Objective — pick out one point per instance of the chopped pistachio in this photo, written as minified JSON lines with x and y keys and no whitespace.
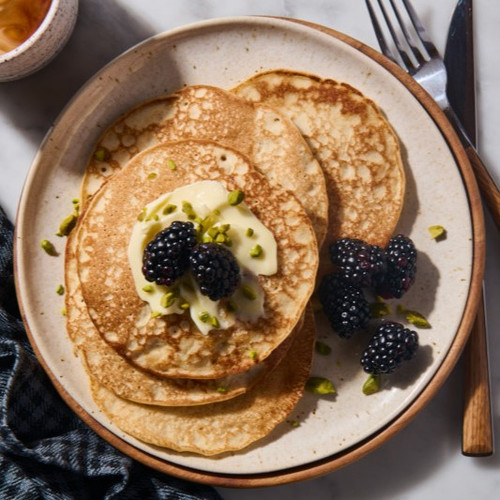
{"x":155,"y":314}
{"x":322,"y":348}
{"x":220,"y":238}
{"x":101,"y":154}
{"x":75,"y":201}
{"x":437,"y":232}
{"x":213,"y":232}
{"x":256,"y":251}
{"x":249,"y":232}
{"x":221,"y":389}
{"x":63,"y":311}
{"x":147,"y":288}
{"x":228,"y":242}
{"x":187,"y":208}
{"x":320,"y":385}
{"x":185,"y":306}
{"x":248,"y":292}
{"x":171,"y":165}
{"x":60,"y":290}
{"x":49,"y":247}
{"x":142,"y":215}
{"x":170,"y":208}
{"x":371,"y":385}
{"x":235,"y":197}
{"x":204,"y":316}
{"x":224,"y":228}
{"x":253,"y":354}
{"x":231,"y":306}
{"x":67,"y":224}
{"x":152,"y":175}
{"x":400,"y":309}
{"x":380,"y":309}
{"x":168,"y":299}
{"x":207,"y":239}
{"x":214,"y":322}
{"x":417,"y":319}
{"x":294,"y":423}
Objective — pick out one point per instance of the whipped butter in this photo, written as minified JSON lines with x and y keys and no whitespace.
{"x":246,"y":232}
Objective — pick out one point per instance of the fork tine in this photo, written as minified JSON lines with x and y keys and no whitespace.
{"x":416,"y":51}
{"x":402,"y":51}
{"x":397,"y":55}
{"x":420,"y":30}
{"x":382,"y":41}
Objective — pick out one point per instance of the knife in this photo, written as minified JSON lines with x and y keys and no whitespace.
{"x":477,"y":431}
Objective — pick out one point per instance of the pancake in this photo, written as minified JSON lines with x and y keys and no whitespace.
{"x":220,"y":427}
{"x":112,"y":371}
{"x":354,"y":143}
{"x":272,"y":143}
{"x":170,"y":345}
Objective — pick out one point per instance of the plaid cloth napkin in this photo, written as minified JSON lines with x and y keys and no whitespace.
{"x":46,"y":451}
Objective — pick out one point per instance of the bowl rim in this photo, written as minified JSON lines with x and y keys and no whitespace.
{"x":341,"y":459}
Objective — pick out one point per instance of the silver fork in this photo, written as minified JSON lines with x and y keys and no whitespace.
{"x":422,"y":61}
{"x":418,"y":56}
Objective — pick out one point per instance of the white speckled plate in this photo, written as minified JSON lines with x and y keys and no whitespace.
{"x":332,"y":431}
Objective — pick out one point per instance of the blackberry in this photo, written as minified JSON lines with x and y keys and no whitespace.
{"x":344,"y":304}
{"x":166,"y":256}
{"x":390,"y":345}
{"x":358,"y":262}
{"x":401,"y":267}
{"x":215,"y":269}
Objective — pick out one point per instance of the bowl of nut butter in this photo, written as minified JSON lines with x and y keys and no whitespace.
{"x":32,"y":32}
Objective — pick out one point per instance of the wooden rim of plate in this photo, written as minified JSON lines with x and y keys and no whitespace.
{"x":359,"y":450}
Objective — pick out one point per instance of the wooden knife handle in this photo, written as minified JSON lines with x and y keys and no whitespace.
{"x":489,"y":190}
{"x":477,"y":432}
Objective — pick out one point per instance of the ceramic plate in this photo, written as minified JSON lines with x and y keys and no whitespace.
{"x":223,"y":52}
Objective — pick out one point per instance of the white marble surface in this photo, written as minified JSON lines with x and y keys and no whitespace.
{"x":422,"y":461}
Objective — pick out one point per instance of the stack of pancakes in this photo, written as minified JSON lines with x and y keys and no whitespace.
{"x":316,"y":160}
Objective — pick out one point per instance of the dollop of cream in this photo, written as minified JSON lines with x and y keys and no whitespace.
{"x":208,"y":199}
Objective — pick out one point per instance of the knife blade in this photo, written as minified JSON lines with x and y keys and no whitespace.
{"x":477,"y":430}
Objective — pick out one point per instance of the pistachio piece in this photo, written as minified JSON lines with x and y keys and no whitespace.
{"x":249,"y":232}
{"x":248,"y":292}
{"x":322,"y":348}
{"x":320,"y":385}
{"x":49,"y":248}
{"x":170,"y":208}
{"x":67,"y":224}
{"x":171,"y":165}
{"x":147,"y":288}
{"x":371,"y":385}
{"x":256,"y":252}
{"x":235,"y":197}
{"x":437,"y":232}
{"x":60,"y":290}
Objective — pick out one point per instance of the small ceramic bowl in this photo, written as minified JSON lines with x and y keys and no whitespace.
{"x":43,"y":45}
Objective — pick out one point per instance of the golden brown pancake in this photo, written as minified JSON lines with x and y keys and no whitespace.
{"x":170,"y":345}
{"x":113,"y":371}
{"x":354,"y":143}
{"x":271,"y":142}
{"x":220,"y":427}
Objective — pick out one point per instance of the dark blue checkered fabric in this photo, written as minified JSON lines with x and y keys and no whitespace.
{"x":46,"y":451}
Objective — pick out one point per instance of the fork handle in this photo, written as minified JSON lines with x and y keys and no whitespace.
{"x":477,"y":430}
{"x":486,"y":184}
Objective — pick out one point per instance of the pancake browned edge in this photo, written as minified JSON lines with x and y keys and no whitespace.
{"x":171,"y":346}
{"x":269,"y":139}
{"x":354,"y":143}
{"x":217,"y":428}
{"x":113,"y":371}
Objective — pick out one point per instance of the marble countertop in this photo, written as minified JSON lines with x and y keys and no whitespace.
{"x":422,"y":461}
